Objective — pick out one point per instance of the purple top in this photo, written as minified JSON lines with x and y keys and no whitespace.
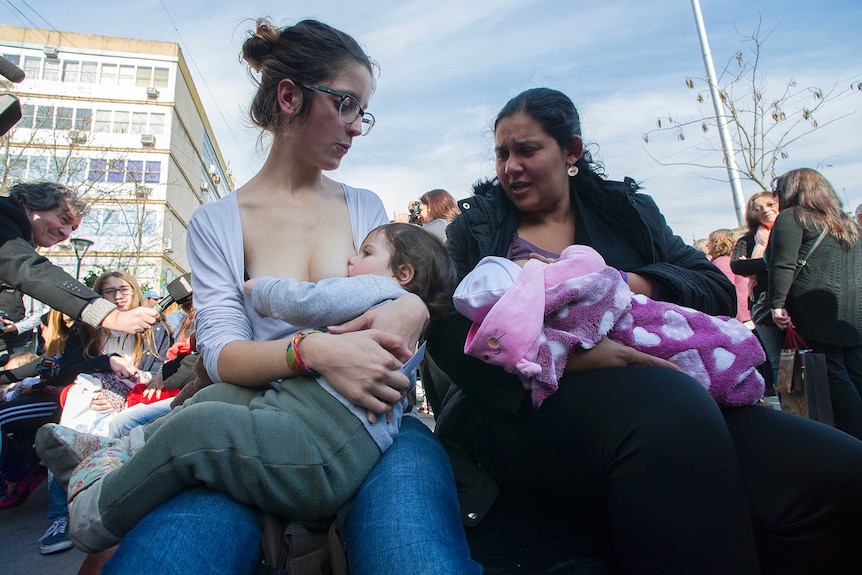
{"x":520,"y":249}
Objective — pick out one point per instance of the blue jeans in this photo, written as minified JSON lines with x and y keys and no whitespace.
{"x":122,"y":422}
{"x":405,"y":519}
{"x":57,"y":506}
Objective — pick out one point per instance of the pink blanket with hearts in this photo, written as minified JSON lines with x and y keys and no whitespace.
{"x":536,"y":322}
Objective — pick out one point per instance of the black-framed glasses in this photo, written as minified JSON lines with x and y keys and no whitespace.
{"x":111,"y":292}
{"x":348,"y":109}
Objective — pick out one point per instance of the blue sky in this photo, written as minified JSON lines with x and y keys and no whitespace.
{"x":448,"y":66}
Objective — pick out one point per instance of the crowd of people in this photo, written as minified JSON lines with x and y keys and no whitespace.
{"x":626,"y":461}
{"x":90,"y":374}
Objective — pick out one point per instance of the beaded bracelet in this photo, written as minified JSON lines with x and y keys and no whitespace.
{"x":291,"y":354}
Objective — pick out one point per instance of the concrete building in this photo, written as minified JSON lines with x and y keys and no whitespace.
{"x":121,"y":121}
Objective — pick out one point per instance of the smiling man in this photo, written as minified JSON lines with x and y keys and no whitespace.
{"x":43,"y":214}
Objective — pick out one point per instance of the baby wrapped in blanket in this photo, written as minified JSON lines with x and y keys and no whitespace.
{"x":528,"y":321}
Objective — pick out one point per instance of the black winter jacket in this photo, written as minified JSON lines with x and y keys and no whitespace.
{"x":627,"y":229}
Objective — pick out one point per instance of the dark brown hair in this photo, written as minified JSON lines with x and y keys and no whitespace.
{"x":309,"y":52}
{"x":817,"y":205}
{"x":434,"y":276}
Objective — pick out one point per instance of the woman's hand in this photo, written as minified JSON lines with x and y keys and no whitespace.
{"x":136,"y":320}
{"x":122,"y":367}
{"x":101,"y":405}
{"x":781,"y":318}
{"x":361,"y":366}
{"x":639,"y":284}
{"x":608,"y":353}
{"x":407,"y":318}
{"x":154,"y":387}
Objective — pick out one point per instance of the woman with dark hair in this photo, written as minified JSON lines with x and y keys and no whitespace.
{"x":824,"y":301}
{"x":315,"y":83}
{"x":437,"y":209}
{"x":748,"y":260}
{"x":629,"y":467}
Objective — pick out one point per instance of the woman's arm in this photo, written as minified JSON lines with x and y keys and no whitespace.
{"x":740,"y":262}
{"x":73,"y":362}
{"x":679,"y":273}
{"x":785,"y":242}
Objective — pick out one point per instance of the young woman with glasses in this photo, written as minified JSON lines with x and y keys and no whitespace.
{"x":290,"y":220}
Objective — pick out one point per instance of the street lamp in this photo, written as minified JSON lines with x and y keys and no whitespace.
{"x":81,"y":245}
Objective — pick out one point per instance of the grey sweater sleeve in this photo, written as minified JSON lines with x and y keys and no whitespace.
{"x":328,"y":302}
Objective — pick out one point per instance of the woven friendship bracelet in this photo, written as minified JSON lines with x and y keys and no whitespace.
{"x":292,"y":356}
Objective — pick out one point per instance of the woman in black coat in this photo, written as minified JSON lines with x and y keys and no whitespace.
{"x":824,"y":301}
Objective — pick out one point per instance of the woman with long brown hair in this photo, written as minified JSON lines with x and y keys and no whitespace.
{"x":823,"y":300}
{"x":747,"y":260}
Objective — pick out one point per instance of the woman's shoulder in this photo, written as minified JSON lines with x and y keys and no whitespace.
{"x":221,"y":209}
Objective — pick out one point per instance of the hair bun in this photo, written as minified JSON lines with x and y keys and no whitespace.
{"x":260,"y":45}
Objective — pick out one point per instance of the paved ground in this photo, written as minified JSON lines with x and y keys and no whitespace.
{"x":20,"y":529}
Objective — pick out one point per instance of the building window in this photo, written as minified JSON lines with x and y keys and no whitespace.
{"x":18,"y":168}
{"x":135,"y":171}
{"x":108,"y":75}
{"x":32,"y":66}
{"x":27,"y":112}
{"x":160,"y":77}
{"x":116,"y":171}
{"x":127,"y":75}
{"x":157,"y":124}
{"x":38,"y":167}
{"x":89,"y":70}
{"x":84,"y":119}
{"x":71,"y":71}
{"x":14,"y":58}
{"x":77,"y":169}
{"x":153,"y":172}
{"x":64,"y":119}
{"x":44,"y":117}
{"x":98,"y":168}
{"x":121,"y":122}
{"x":103,"y":120}
{"x":139,"y":122}
{"x":144,"y":76}
{"x":52,"y":70}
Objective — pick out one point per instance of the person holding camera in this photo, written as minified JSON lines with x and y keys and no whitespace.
{"x":436,"y":210}
{"x":41,"y":214}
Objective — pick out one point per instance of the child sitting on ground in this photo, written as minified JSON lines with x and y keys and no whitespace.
{"x":529,"y":321}
{"x":299,"y":451}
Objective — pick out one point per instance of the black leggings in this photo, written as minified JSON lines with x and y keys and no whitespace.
{"x":638,"y":464}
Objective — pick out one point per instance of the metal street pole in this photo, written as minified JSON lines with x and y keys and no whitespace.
{"x":80,"y":245}
{"x":726,"y":142}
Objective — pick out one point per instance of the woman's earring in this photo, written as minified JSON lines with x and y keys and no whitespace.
{"x":572,"y":171}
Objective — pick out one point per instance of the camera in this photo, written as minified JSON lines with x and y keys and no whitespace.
{"x":413,"y":210}
{"x":3,"y":314}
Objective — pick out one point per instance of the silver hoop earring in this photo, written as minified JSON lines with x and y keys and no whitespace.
{"x":572,"y":171}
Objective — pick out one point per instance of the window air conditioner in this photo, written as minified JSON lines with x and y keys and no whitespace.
{"x":51,"y":51}
{"x":148,"y":140}
{"x":205,"y":187}
{"x":213,"y":173}
{"x":152,"y":92}
{"x":77,"y":136}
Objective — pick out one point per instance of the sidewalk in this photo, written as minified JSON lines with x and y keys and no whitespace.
{"x":20,"y":529}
